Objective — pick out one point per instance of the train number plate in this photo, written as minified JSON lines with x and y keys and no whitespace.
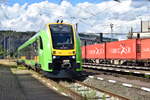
{"x":66,"y":61}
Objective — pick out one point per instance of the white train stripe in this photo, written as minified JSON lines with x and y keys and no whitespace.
{"x":104,"y":68}
{"x":137,"y":72}
{"x":126,"y":71}
{"x":48,"y":84}
{"x":110,"y":69}
{"x":112,"y":81}
{"x":91,"y":76}
{"x":146,"y":89}
{"x":118,"y":70}
{"x":147,"y":73}
{"x":128,"y":85}
{"x":44,"y":81}
{"x":55,"y":88}
{"x":138,"y":68}
{"x":100,"y":78}
{"x":64,"y":94}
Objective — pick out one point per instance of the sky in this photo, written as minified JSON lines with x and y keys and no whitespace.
{"x":94,"y":17}
{"x":74,"y":2}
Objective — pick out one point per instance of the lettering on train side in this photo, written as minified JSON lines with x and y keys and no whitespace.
{"x":96,"y":50}
{"x":146,"y":50}
{"x":123,"y":49}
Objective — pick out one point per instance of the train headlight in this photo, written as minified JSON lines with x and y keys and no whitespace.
{"x":54,"y":57}
{"x":73,"y":57}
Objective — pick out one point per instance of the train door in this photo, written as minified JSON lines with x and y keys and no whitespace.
{"x":41,"y":55}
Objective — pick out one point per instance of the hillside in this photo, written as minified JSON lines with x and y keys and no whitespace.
{"x":11,"y":40}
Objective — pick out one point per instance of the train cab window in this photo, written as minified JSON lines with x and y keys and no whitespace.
{"x":41,"y":43}
{"x":62,"y":36}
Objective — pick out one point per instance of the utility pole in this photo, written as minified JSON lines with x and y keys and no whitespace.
{"x":141,"y":26}
{"x":131,"y":32}
{"x":76,"y":27}
{"x":4,"y":46}
{"x":100,"y":37}
{"x":111,"y":27}
{"x":130,"y":35}
{"x":148,"y":26}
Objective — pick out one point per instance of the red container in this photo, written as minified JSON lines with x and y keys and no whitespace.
{"x":83,"y":52}
{"x":125,"y":49}
{"x":145,"y":49}
{"x":96,"y":51}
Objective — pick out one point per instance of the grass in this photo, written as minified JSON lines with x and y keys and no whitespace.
{"x":147,"y":76}
{"x":21,"y":67}
{"x":104,"y":97}
{"x":130,"y":73}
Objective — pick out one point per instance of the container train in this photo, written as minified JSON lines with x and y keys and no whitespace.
{"x":55,"y":51}
{"x":126,"y":52}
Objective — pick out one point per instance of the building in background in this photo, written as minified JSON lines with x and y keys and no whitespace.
{"x":92,"y":38}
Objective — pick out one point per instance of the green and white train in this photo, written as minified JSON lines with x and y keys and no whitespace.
{"x":55,"y":51}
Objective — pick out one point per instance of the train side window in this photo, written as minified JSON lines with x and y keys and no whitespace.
{"x":41,"y":43}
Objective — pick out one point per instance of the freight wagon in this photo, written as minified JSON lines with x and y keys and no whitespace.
{"x":128,"y":52}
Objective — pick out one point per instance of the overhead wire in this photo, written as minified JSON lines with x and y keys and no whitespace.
{"x":96,"y":14}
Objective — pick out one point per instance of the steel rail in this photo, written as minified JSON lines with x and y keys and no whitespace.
{"x":74,"y":94}
{"x":116,"y":97}
{"x":119,"y":70}
{"x":120,"y":66}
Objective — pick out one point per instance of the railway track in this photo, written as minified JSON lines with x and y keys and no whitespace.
{"x":133,"y":87}
{"x":77,"y":90}
{"x":120,"y":66}
{"x":118,"y":69}
{"x":134,"y":82}
{"x":126,"y":84}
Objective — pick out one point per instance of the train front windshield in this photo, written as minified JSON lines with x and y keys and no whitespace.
{"x":62,"y":36}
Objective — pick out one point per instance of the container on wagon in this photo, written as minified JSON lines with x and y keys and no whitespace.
{"x":125,"y":49}
{"x":96,"y":51}
{"x":145,"y":49}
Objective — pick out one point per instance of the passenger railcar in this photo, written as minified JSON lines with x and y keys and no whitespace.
{"x":54,"y":50}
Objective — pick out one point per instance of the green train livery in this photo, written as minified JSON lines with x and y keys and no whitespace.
{"x":55,"y":51}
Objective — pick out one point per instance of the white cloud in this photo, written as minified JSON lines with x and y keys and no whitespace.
{"x":91,"y":17}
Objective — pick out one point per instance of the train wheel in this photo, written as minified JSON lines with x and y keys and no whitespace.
{"x":37,"y":68}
